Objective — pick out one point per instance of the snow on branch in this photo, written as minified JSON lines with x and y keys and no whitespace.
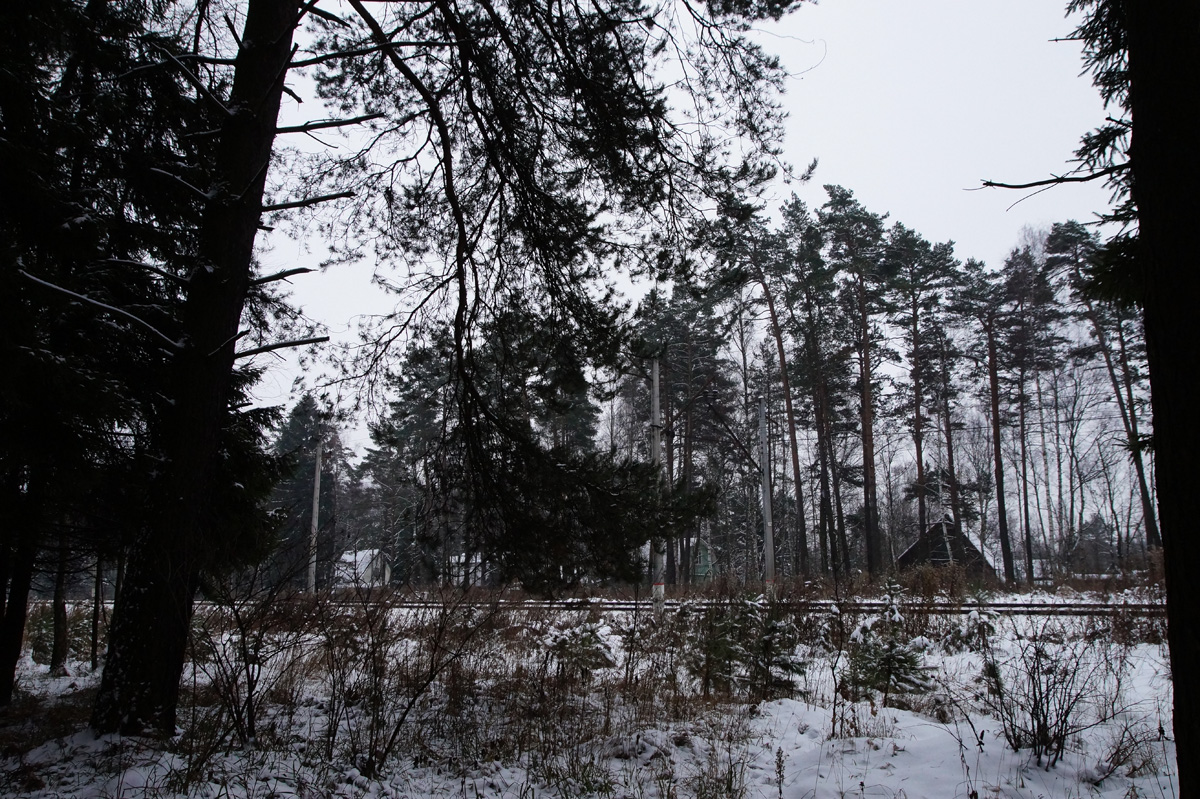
{"x":110,"y":308}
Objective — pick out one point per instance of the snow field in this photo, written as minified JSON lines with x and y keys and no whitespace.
{"x":367,"y":700}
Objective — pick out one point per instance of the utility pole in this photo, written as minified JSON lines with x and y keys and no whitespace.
{"x":658,"y":545}
{"x":316,"y":508}
{"x":768,"y":532}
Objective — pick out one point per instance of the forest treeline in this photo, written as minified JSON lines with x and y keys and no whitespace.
{"x":915,"y":388}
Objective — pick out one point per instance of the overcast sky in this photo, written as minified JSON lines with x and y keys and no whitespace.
{"x":908,"y":104}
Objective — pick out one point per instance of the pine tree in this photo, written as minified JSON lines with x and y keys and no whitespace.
{"x":979,"y":301}
{"x":854,"y":237}
{"x":919,"y":275}
{"x":1030,"y":342}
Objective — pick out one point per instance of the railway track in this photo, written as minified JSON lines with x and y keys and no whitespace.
{"x":856,"y":607}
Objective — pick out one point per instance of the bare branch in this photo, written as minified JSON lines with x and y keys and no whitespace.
{"x":111,"y":309}
{"x":311,"y":8}
{"x":286,"y":273}
{"x":233,"y":31}
{"x":281,"y":345}
{"x":341,"y":195}
{"x":1055,"y":180}
{"x":238,"y":335}
{"x":328,"y":123}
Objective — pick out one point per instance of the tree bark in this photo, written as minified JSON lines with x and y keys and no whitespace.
{"x":1163,"y":41}
{"x":140,"y":687}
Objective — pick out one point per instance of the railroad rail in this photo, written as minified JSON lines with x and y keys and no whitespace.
{"x":819,"y":606}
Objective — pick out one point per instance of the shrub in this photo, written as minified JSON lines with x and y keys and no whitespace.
{"x":581,"y":650}
{"x":39,"y":631}
{"x":1052,"y":686}
{"x":747,"y":644}
{"x":881,"y":658}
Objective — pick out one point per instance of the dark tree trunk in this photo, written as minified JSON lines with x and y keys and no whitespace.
{"x":843,"y":543}
{"x":824,"y":454}
{"x":918,"y":423}
{"x":1164,"y":69}
{"x":1149,"y":517}
{"x":140,"y":687}
{"x":61,"y":647}
{"x":867,"y":420}
{"x":1006,"y":553}
{"x":1027,"y":528}
{"x":801,"y":540}
{"x":948,"y":425}
{"x":16,"y":606}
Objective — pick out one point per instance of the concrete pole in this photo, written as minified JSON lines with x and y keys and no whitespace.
{"x":768,"y":531}
{"x":658,"y":545}
{"x":316,"y":510}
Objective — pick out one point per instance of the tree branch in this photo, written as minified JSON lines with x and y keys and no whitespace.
{"x":300,"y":342}
{"x":311,"y":8}
{"x":149,"y":267}
{"x":307,"y":202}
{"x":175,"y":345}
{"x":361,"y":51}
{"x":1055,"y":180}
{"x":191,"y":78}
{"x":286,"y":273}
{"x":204,"y":195}
{"x":328,"y":123}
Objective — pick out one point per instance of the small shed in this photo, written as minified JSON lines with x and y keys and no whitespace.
{"x":362,"y":568}
{"x":940,"y":545}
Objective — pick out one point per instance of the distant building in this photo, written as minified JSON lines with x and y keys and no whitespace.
{"x":941,"y":545}
{"x":362,"y":568}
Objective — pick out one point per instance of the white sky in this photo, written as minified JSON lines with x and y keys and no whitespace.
{"x":907,"y":103}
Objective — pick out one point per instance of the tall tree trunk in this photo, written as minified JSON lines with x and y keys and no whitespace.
{"x":1027,"y":528}
{"x":843,"y":543}
{"x":823,"y":457}
{"x":1051,"y":511}
{"x":1163,"y":40}
{"x":948,"y":428}
{"x":801,"y":539}
{"x":139,"y":691}
{"x":867,"y":420}
{"x":918,"y":423}
{"x":1123,"y":394}
{"x":1149,"y":517}
{"x":1006,"y":553}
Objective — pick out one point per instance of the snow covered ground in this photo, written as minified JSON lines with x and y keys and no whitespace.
{"x":567,"y":706}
